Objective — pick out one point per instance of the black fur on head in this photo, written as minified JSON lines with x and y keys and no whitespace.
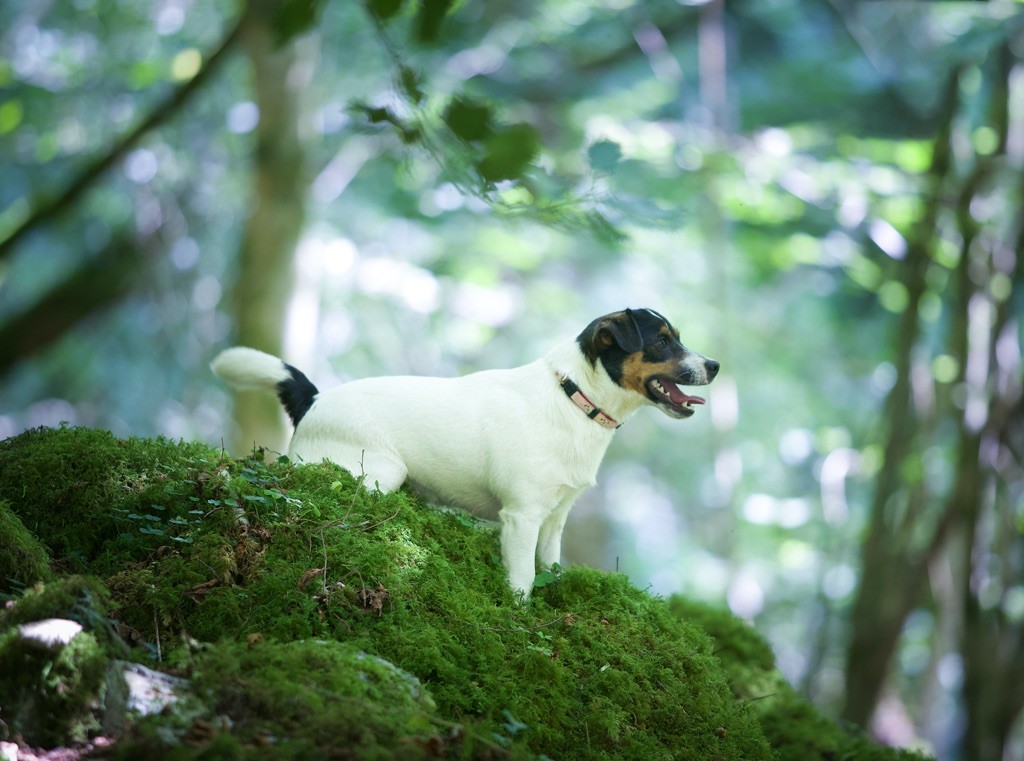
{"x":618,"y":329}
{"x":641,"y":352}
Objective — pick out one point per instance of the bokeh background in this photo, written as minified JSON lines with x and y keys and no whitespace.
{"x":824,"y":196}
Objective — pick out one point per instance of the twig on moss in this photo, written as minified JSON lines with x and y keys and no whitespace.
{"x":760,"y":697}
{"x":533,"y":628}
{"x":323,"y":544}
{"x":156,"y":629}
{"x":378,"y":523}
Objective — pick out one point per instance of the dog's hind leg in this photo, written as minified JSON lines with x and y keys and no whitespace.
{"x":378,"y":470}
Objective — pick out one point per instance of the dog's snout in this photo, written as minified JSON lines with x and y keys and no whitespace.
{"x":712,"y":367}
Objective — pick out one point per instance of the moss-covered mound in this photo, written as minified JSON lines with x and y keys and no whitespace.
{"x":792,"y":726}
{"x":314,"y":619}
{"x":23,"y":559}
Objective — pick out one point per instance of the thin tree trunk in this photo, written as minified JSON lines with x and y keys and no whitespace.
{"x":891,"y":580}
{"x":993,"y":642}
{"x":895,"y":559}
{"x":266,"y":262}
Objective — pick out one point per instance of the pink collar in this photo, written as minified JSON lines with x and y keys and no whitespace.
{"x":580,"y":399}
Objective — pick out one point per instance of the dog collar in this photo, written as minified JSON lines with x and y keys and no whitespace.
{"x":578,"y":398}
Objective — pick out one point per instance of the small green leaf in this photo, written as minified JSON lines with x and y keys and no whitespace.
{"x":468,"y":119}
{"x":509,"y":153}
{"x":377,"y":115}
{"x":512,"y":725}
{"x":409,"y":80}
{"x":542,"y":579}
{"x":384,"y":9}
{"x":409,"y":133}
{"x":604,"y":155}
{"x":294,"y":17}
{"x":428,"y":20}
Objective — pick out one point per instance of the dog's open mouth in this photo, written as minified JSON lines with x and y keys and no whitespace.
{"x":664,"y":391}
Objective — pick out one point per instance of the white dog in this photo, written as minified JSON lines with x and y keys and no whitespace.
{"x":519,"y":445}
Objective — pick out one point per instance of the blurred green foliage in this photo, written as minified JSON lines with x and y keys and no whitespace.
{"x":532,"y":166}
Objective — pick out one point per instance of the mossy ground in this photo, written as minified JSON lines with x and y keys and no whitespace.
{"x":23,"y":559}
{"x":276,"y":588}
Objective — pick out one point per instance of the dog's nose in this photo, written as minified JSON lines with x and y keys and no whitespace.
{"x":712,"y":368}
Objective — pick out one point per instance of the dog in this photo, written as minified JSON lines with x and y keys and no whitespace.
{"x":517,"y":445}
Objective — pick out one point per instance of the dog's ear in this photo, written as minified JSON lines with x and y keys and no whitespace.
{"x":618,"y":329}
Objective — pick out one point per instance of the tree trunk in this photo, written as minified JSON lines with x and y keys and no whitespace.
{"x":992,"y":641}
{"x":977,"y":508}
{"x":266,"y":262}
{"x":891,"y":578}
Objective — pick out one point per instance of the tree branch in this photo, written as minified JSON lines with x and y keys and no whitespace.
{"x":163,"y":111}
{"x":97,"y":284}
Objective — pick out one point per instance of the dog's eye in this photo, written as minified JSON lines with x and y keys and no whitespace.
{"x":661,"y":343}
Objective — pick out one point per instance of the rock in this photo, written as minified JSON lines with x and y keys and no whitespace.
{"x":134,"y":691}
{"x":52,"y":686}
{"x":50,"y":633}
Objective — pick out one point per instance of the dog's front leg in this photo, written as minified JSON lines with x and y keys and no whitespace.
{"x":549,"y":544}
{"x":519,"y":529}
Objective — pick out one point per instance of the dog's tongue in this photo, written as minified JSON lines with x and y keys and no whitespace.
{"x":677,"y":396}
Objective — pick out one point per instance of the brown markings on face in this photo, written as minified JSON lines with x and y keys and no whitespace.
{"x":636,"y":372}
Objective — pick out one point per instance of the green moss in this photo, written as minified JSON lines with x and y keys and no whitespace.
{"x":236,"y":551}
{"x":23,"y":559}
{"x":313,"y":699}
{"x":77,"y":489}
{"x":796,"y":730}
{"x":51,"y":698}
{"x":342,"y":696}
{"x":737,"y":645}
{"x":77,"y":598}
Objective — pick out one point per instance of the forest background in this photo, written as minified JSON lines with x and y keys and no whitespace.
{"x":824,"y":196}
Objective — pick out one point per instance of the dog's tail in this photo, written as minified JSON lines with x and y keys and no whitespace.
{"x":251,"y":370}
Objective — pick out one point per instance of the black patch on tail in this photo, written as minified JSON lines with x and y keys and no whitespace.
{"x":296,"y":394}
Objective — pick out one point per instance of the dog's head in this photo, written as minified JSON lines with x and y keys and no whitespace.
{"x":641,"y":352}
